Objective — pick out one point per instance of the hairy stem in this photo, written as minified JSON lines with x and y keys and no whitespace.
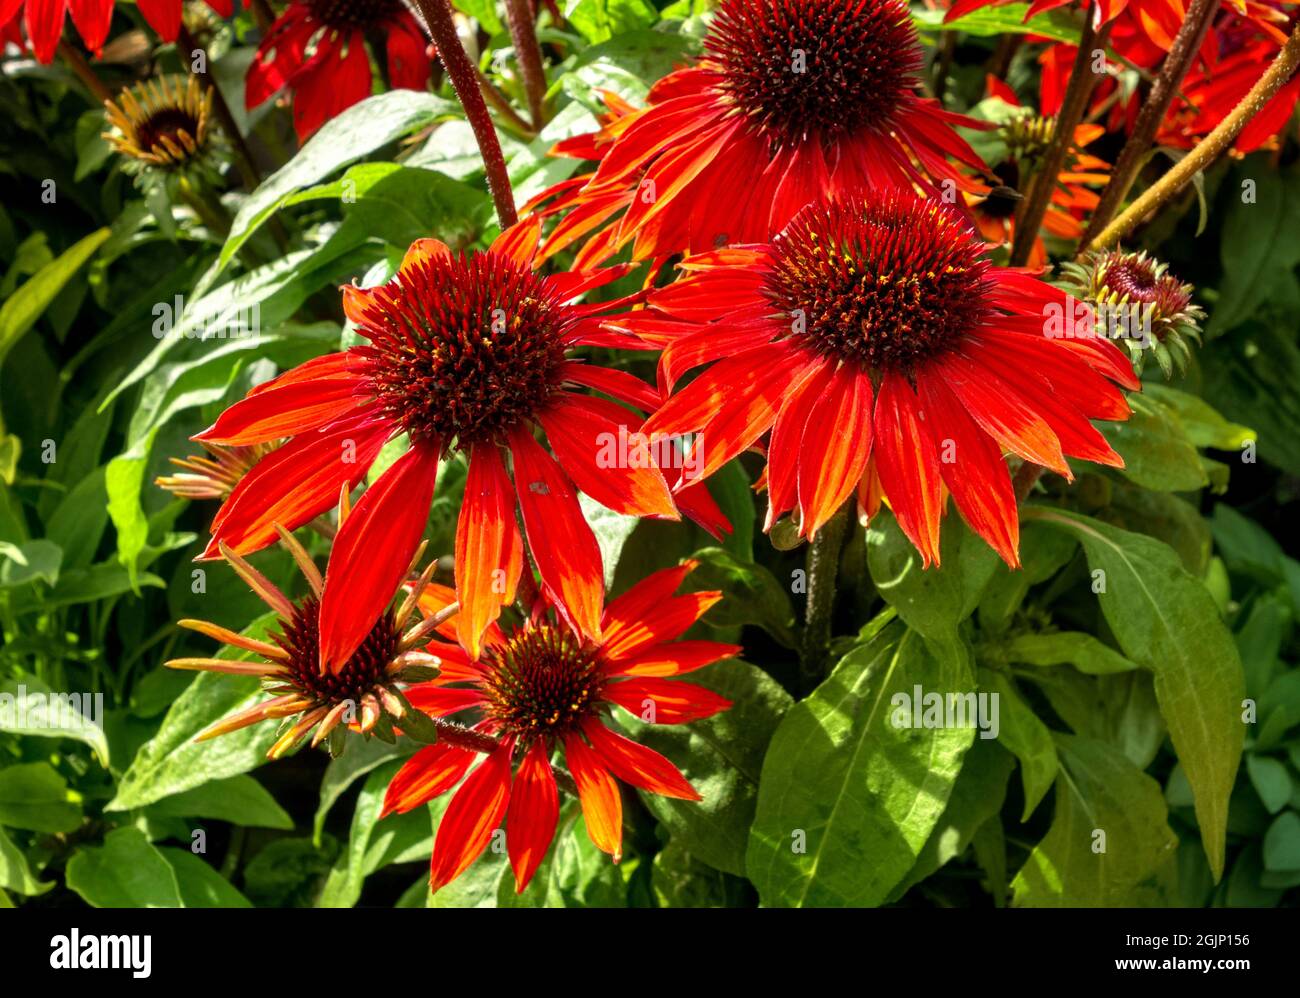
{"x":464,"y":80}
{"x":1208,"y":149}
{"x":1172,"y":72}
{"x":523,"y":33}
{"x":822,"y":567}
{"x":1024,"y":480}
{"x":1073,"y":104}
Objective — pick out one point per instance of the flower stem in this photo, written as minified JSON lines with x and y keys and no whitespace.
{"x":1024,"y":480}
{"x":458,"y":735}
{"x":822,"y":567}
{"x":78,"y":64}
{"x":523,"y":32}
{"x":1209,"y":148}
{"x":442,"y":29}
{"x":1172,"y":72}
{"x":263,"y":14}
{"x":1073,"y":104}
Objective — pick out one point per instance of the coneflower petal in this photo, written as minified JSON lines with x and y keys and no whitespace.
{"x":432,"y":771}
{"x":559,"y":537}
{"x":473,"y":814}
{"x":907,"y":461}
{"x":602,"y":806}
{"x":489,"y":550}
{"x":835,"y":447}
{"x":532,"y":815}
{"x":372,"y":551}
{"x":636,"y":764}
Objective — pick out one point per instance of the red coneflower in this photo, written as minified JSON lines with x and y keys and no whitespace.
{"x":793,"y":99}
{"x":464,"y":351}
{"x":317,"y":48}
{"x":885,"y":354}
{"x":363,"y":693}
{"x":43,"y":20}
{"x":540,"y":688}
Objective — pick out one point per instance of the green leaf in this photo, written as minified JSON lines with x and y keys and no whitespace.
{"x":170,"y":762}
{"x":32,"y":560}
{"x":612,"y":531}
{"x":1157,"y":451}
{"x":201,"y":886}
{"x":344,"y":139}
{"x":127,"y":871}
{"x":976,"y":798}
{"x":847,"y":799}
{"x":936,"y":600}
{"x":1024,"y":735}
{"x":343,"y":885}
{"x":1110,"y":843}
{"x":241,"y":800}
{"x":29,"y":707}
{"x":1075,"y":648}
{"x":751,"y":594}
{"x":1271,"y":781}
{"x":359,"y":757}
{"x":1166,"y":621}
{"x":1257,"y":245}
{"x":1282,"y":843}
{"x":722,"y":757}
{"x":599,"y":20}
{"x":1204,"y":425}
{"x":679,"y":880}
{"x":15,"y":874}
{"x":1008,"y":19}
{"x":34,"y":796}
{"x":21,"y":310}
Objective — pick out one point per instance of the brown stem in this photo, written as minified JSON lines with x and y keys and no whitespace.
{"x":1209,"y":148}
{"x":1172,"y":72}
{"x":1073,"y":105}
{"x":78,"y":64}
{"x":442,"y":29}
{"x":263,"y":14}
{"x":1025,"y":478}
{"x":243,"y":158}
{"x":523,"y":34}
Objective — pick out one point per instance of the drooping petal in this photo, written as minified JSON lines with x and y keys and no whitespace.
{"x":489,"y":550}
{"x":432,"y":771}
{"x":285,"y":411}
{"x":291,"y":485}
{"x":606,"y":458}
{"x":471,"y":817}
{"x":670,"y":658}
{"x":602,"y":806}
{"x":665,"y":701}
{"x":533,"y":812}
{"x":636,"y":764}
{"x":907,"y":461}
{"x":373,"y":550}
{"x":559,"y":537}
{"x":835,"y":448}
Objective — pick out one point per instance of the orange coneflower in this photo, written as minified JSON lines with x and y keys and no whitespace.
{"x":364,"y":692}
{"x":540,"y":688}
{"x":884,"y":353}
{"x":793,"y":99}
{"x":467,"y":352}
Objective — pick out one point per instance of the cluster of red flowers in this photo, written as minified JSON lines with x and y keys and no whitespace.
{"x":835,"y":312}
